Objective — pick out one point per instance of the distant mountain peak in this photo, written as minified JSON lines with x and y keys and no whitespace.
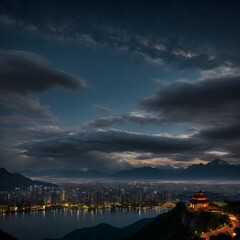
{"x":218,"y":162}
{"x":166,"y":167}
{"x":9,"y":181}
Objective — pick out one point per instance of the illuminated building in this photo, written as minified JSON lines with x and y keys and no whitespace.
{"x":63,"y":196}
{"x":47,"y":199}
{"x":199,"y":202}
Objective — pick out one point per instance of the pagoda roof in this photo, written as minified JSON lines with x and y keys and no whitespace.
{"x":200,"y":202}
{"x":199,"y":194}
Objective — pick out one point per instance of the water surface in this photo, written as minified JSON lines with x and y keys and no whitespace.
{"x":57,"y":223}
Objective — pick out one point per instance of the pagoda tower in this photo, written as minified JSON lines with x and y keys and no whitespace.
{"x":199,"y":201}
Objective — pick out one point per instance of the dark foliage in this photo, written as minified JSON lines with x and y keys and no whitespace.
{"x":233,"y":207}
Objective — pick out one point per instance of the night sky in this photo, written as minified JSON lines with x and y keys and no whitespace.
{"x":113,"y":85}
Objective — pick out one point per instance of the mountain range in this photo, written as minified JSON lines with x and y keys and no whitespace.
{"x":215,"y":170}
{"x":10,"y":181}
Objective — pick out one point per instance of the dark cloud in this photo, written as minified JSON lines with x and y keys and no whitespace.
{"x":225,"y":138}
{"x":15,"y":157}
{"x":28,"y":72}
{"x":26,"y":107}
{"x":205,"y":102}
{"x":223,"y":134}
{"x":108,"y":142}
{"x":122,"y":119}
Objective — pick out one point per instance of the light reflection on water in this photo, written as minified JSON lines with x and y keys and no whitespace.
{"x":56,"y":223}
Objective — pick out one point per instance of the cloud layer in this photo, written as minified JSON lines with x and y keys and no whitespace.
{"x":108,"y":141}
{"x":192,"y":44}
{"x":205,"y":102}
{"x":114,"y":148}
{"x":29,"y":72}
{"x":25,"y":105}
{"x":161,"y":34}
{"x":117,"y":149}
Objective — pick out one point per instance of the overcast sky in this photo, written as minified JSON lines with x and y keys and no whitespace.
{"x":112,"y":85}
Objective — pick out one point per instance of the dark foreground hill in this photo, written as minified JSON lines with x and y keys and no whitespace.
{"x":179,"y":224}
{"x":105,"y":231}
{"x":6,"y":236}
{"x":10,"y":181}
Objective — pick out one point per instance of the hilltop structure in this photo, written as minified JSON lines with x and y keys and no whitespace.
{"x":199,"y":202}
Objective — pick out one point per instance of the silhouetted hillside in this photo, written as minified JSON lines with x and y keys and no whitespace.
{"x":9,"y":181}
{"x":6,"y":236}
{"x":179,"y":224}
{"x":105,"y":231}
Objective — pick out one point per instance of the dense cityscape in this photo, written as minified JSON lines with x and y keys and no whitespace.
{"x":90,"y":196}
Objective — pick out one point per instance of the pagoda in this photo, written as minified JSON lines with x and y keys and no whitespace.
{"x":199,"y":202}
